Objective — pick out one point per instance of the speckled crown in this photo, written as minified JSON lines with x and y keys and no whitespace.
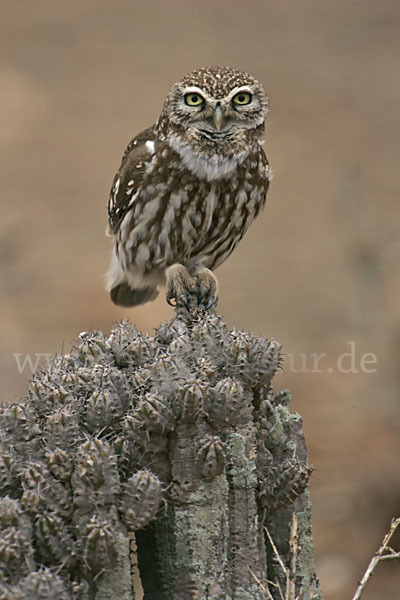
{"x":217,"y":81}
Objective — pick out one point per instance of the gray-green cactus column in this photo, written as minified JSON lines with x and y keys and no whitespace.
{"x":236,"y":462}
{"x":178,"y":437}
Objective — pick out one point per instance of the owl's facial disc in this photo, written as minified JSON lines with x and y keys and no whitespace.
{"x":215,"y":116}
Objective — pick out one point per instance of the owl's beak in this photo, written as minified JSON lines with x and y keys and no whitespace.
{"x":218,"y":117}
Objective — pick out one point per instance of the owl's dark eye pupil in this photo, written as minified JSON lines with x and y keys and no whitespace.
{"x":241,"y":98}
{"x":193,"y":99}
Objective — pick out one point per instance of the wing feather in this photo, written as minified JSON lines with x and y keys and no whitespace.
{"x":129,"y":178}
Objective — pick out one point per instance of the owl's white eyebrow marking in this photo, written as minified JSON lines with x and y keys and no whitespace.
{"x":150,"y":147}
{"x":193,"y":89}
{"x":237,"y":90}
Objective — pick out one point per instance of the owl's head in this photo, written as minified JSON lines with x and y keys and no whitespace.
{"x":215,"y":111}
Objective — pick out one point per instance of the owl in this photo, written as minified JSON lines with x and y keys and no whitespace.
{"x":187,"y":190}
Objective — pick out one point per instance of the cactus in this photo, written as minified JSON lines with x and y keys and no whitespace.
{"x":178,"y":437}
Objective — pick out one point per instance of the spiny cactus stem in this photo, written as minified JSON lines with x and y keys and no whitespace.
{"x":178,"y":437}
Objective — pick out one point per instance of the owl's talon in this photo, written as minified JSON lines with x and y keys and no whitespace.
{"x":205,"y":297}
{"x":212,"y":302}
{"x":202,"y":294}
{"x":180,"y":287}
{"x":206,"y":288}
{"x":169,"y":301}
{"x":181,"y":300}
{"x":184,"y":301}
{"x":209,"y":302}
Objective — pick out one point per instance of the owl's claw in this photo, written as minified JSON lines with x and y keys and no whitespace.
{"x":191,"y":293}
{"x":184,"y":300}
{"x":179,"y":300}
{"x":169,"y":301}
{"x":212,"y":302}
{"x":206,"y":297}
{"x":202,"y":295}
{"x":180,"y":287}
{"x":206,"y":288}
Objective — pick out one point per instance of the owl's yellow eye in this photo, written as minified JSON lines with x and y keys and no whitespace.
{"x":193,"y":99}
{"x":242,"y":98}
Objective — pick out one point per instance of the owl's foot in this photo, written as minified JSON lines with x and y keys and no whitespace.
{"x":206,"y":288}
{"x":191,"y":293}
{"x":180,"y":287}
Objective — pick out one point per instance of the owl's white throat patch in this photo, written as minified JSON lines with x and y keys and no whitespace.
{"x":210,"y":168}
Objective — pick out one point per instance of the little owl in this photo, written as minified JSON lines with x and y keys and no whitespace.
{"x":188,"y":188}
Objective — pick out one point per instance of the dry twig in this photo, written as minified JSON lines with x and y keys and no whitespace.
{"x":264,"y":589}
{"x":290,"y":573}
{"x":385,"y":552}
{"x":280,"y":561}
{"x":293,"y":546}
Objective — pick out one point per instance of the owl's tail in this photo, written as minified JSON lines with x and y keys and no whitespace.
{"x":126,"y":293}
{"x":123,"y":295}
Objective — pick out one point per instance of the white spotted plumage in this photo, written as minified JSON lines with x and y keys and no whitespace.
{"x":188,"y":187}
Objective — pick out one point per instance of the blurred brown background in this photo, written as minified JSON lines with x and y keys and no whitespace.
{"x":318,"y":270}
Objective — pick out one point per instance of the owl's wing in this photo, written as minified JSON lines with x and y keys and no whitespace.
{"x":129,"y":177}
